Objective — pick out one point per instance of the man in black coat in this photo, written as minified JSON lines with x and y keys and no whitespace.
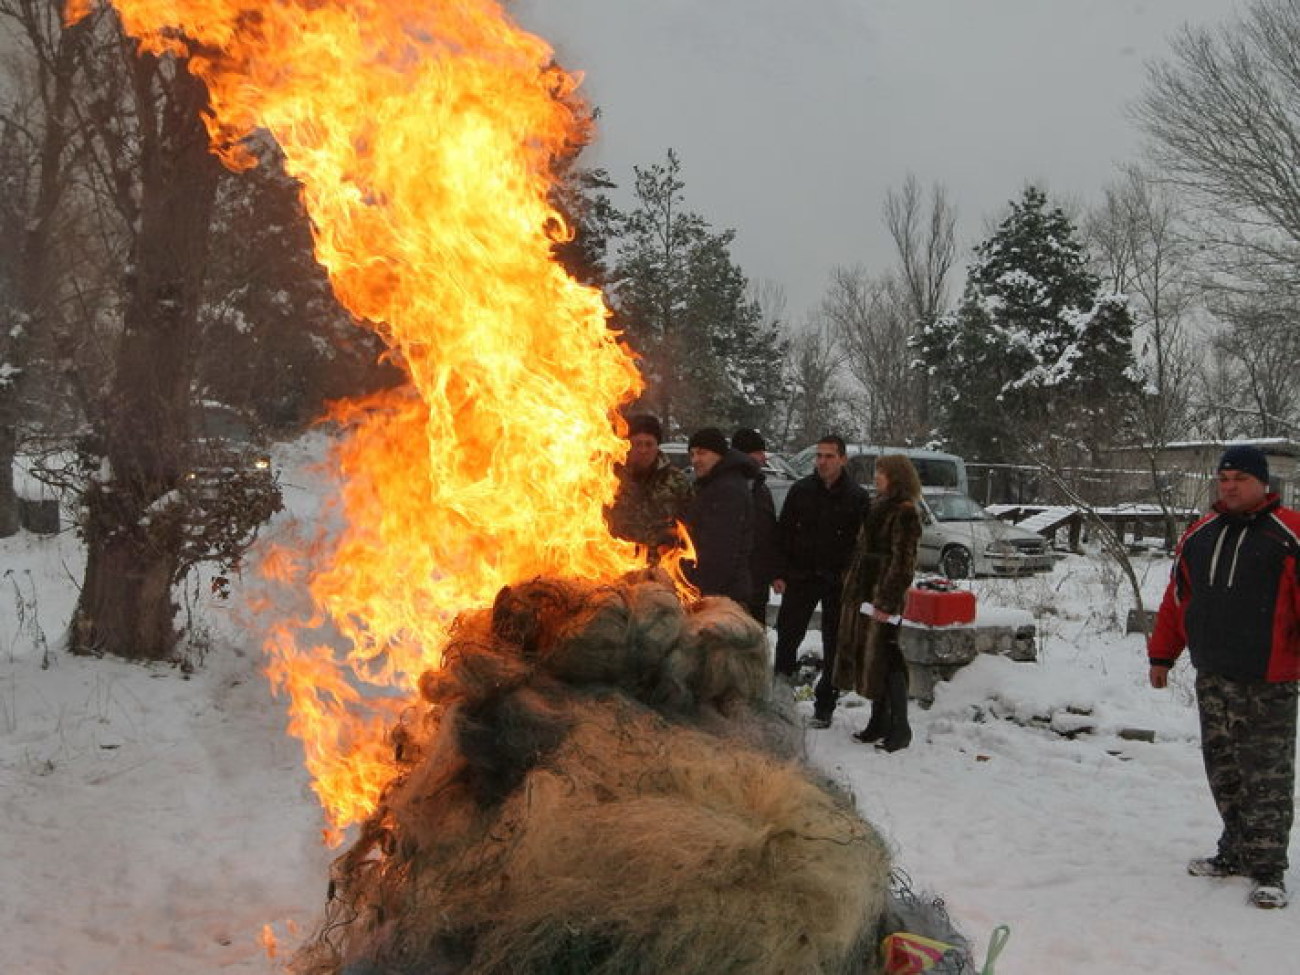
{"x":818,"y":525}
{"x":764,"y":558}
{"x":720,"y":518}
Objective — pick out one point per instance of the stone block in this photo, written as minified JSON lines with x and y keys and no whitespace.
{"x":935,"y":653}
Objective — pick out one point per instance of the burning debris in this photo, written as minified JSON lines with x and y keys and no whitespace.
{"x":589,"y":777}
{"x":597,"y":781}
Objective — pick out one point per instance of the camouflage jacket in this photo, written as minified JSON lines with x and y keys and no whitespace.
{"x":646,"y":507}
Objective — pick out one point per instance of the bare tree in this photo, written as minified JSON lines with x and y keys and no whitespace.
{"x":812,"y":368}
{"x":924,"y":238}
{"x":1262,"y":339}
{"x":35,"y":160}
{"x":1218,"y":386}
{"x":1223,"y":115}
{"x":925,"y":243}
{"x":1140,"y":248}
{"x":870,"y":318}
{"x":105,"y":260}
{"x":134,"y":524}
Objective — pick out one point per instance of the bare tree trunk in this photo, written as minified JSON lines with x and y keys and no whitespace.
{"x":55,"y":59}
{"x":133,"y":533}
{"x":926,"y":246}
{"x":9,"y":520}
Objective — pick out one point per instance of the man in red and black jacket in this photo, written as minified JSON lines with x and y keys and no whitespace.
{"x":1234,"y":602}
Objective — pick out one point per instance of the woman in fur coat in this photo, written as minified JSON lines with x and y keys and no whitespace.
{"x":868,"y":659}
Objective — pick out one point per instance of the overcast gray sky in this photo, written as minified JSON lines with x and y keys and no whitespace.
{"x":793,"y":117}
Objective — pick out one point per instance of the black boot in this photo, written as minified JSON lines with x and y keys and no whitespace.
{"x":898,"y":734}
{"x":878,"y":723}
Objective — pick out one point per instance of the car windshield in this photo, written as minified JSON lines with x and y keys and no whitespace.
{"x":776,"y":464}
{"x":211,"y":420}
{"x":955,"y":507}
{"x":935,"y":472}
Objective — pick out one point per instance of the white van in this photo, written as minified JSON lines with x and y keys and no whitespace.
{"x":935,"y":468}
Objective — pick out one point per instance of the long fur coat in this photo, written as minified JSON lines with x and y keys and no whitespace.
{"x":880,"y":572}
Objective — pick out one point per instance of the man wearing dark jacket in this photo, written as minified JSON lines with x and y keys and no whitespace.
{"x":764,"y":559}
{"x":720,"y":518}
{"x":1234,"y":602}
{"x":815,"y":534}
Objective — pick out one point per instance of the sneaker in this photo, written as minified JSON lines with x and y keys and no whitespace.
{"x":1269,"y":893}
{"x":817,"y":721}
{"x":1215,"y":866}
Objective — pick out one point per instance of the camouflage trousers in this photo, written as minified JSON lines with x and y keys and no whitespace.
{"x":1248,"y":741}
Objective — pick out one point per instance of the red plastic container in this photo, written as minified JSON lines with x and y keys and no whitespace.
{"x":937,"y":608}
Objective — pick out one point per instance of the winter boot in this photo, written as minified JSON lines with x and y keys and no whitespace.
{"x":878,"y":724}
{"x":898,"y":733}
{"x":1269,"y":892}
{"x":1215,"y":866}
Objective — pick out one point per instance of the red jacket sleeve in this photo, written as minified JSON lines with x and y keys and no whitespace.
{"x":1169,"y":638}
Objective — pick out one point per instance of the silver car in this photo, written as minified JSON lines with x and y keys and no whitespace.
{"x":961,"y":539}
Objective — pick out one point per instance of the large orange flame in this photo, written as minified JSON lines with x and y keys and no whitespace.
{"x":424,"y":134}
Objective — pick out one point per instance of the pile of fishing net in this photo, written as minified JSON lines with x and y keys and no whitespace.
{"x":598,"y":781}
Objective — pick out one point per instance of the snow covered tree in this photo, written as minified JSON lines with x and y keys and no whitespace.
{"x":685,"y":308}
{"x":273,"y":340}
{"x":1037,"y":361}
{"x":581,"y":196}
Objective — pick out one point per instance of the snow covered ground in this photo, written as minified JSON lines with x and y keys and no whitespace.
{"x":157,"y":822}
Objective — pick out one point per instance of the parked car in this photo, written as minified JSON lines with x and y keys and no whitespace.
{"x":936,"y":468}
{"x":961,"y":539}
{"x":225,"y":441}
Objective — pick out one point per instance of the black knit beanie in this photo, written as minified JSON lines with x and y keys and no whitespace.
{"x":1247,"y":459}
{"x":748,"y":441}
{"x":710,"y":438}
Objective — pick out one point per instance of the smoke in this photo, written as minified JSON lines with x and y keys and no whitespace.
{"x":598,"y":781}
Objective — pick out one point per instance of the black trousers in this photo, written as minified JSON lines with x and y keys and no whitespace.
{"x":757,"y":602}
{"x":798,"y":601}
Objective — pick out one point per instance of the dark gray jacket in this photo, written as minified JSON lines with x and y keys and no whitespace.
{"x":720,"y":520}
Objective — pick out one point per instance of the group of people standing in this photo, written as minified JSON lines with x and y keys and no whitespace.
{"x":832,"y":547}
{"x":1233,"y":601}
{"x":727,"y":509}
{"x":854,"y":556}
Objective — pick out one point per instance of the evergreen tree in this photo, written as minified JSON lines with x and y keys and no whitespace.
{"x":1037,"y":361}
{"x":707,"y":355}
{"x":274,"y":340}
{"x":580,"y":196}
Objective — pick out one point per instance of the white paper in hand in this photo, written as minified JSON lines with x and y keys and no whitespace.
{"x":866,"y":609}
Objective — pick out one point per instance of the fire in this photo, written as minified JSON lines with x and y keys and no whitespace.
{"x":424,"y":134}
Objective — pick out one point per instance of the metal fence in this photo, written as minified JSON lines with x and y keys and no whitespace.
{"x":1098,"y":487}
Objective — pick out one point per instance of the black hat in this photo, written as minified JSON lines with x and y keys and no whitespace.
{"x":748,"y":441}
{"x":645,"y":423}
{"x":710,"y":438}
{"x":1247,"y":459}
